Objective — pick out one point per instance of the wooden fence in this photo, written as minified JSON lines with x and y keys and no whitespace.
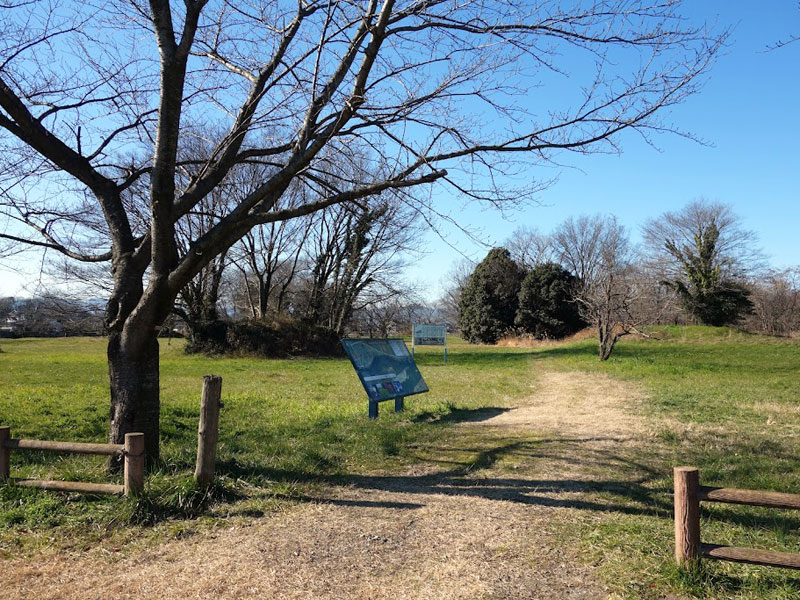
{"x":688,"y":547}
{"x":132,"y":451}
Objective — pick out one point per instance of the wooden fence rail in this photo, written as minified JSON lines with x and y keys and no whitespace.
{"x":132,"y":451}
{"x":688,"y":547}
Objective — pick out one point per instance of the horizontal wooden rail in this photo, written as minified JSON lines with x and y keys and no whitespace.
{"x":751,"y":556}
{"x":132,"y":451}
{"x":70,"y":486}
{"x":688,"y":547}
{"x":749,"y":497}
{"x":74,"y":447}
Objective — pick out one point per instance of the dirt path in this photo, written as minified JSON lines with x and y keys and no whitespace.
{"x":444,"y":534}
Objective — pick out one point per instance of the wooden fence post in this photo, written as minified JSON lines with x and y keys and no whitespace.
{"x":687,"y":516}
{"x":208,"y":430}
{"x":5,"y":453}
{"x":133,"y":478}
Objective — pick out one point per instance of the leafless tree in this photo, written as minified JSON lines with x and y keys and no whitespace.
{"x":268,"y":257}
{"x":610,"y":285}
{"x":268,"y":262}
{"x":97,"y":98}
{"x":580,"y":244}
{"x":704,"y":253}
{"x":356,"y":256}
{"x":453,"y":284}
{"x":394,"y":316}
{"x":529,"y":247}
{"x":776,"y":302}
{"x":52,"y":315}
{"x":736,"y":253}
{"x":197,"y":302}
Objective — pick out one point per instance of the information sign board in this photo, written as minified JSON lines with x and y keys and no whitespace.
{"x":386,"y":369}
{"x":429,"y":335}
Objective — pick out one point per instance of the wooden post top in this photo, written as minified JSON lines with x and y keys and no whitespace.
{"x":677,"y":470}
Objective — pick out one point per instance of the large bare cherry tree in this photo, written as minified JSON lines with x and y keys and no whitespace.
{"x":98,"y":99}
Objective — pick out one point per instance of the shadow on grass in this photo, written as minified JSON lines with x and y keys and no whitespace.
{"x":460,"y":415}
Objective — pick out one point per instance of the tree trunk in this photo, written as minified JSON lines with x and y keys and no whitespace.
{"x":134,"y":381}
{"x":606,"y":347}
{"x":606,"y":337}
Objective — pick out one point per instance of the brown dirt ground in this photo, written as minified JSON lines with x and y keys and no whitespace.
{"x":424,"y":534}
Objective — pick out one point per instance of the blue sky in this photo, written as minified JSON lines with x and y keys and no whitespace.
{"x":748,"y":112}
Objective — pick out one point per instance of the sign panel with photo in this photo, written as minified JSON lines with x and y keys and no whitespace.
{"x":386,"y":370}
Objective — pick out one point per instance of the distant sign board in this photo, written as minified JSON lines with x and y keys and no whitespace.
{"x":386,"y":370}
{"x":429,"y":335}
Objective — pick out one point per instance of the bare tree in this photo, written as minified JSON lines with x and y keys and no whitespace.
{"x":776,"y":302}
{"x":268,"y":257}
{"x":610,"y":286}
{"x":705,"y":254}
{"x":356,"y":256}
{"x":580,"y":244}
{"x":736,"y":253}
{"x":96,"y":98}
{"x":530,"y":248}
{"x":197,"y":301}
{"x":452,"y":285}
{"x":268,"y":261}
{"x":394,"y":316}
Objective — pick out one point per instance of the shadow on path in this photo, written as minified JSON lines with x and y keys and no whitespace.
{"x":467,"y":478}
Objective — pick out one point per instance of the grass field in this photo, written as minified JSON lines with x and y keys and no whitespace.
{"x":284,"y":423}
{"x":721,"y":400}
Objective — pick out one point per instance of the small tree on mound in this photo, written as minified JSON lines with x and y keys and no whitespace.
{"x":547,"y":306}
{"x":706,"y":293}
{"x":706,"y":256}
{"x":489,"y":301}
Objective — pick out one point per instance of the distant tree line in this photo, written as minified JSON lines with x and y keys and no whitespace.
{"x":49,"y":316}
{"x":697,"y":265}
{"x":287,"y":288}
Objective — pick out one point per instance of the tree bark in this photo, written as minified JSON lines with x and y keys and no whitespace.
{"x":134,"y":378}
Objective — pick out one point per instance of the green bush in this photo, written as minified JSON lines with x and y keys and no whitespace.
{"x":488,"y":303}
{"x":547,"y":307}
{"x":256,"y":338}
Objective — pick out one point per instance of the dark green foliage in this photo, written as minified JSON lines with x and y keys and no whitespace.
{"x":724,"y":304}
{"x":208,"y":337}
{"x":488,"y":304}
{"x":256,"y":338}
{"x":706,"y":293}
{"x":547,"y":307}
